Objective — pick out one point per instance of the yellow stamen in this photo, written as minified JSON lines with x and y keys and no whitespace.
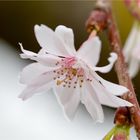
{"x":59,"y":82}
{"x":74,"y":72}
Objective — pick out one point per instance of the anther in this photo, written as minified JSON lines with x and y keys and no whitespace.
{"x":88,"y":79}
{"x":58,"y":82}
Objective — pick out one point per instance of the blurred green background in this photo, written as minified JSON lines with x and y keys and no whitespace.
{"x":17,"y":19}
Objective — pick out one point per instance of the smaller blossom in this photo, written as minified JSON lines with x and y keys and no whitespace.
{"x":131,"y":50}
{"x":70,"y":73}
{"x":134,"y":7}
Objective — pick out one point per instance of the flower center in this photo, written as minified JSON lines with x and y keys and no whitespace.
{"x":70,"y":74}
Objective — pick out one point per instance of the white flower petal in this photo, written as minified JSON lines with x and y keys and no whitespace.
{"x":114,"y":89}
{"x":67,"y":36}
{"x":106,"y":98}
{"x":31,"y":71}
{"x":130,"y":42}
{"x":48,"y":60}
{"x":43,"y":58}
{"x":63,"y":94}
{"x":50,"y":41}
{"x":92,"y":104}
{"x":26,"y":54}
{"x":41,"y":83}
{"x":29,"y":91}
{"x":90,"y":51}
{"x":132,"y":55}
{"x":136,"y":49}
{"x":133,"y":67}
{"x":71,"y":106}
{"x":69,"y":99}
{"x":113,"y":57}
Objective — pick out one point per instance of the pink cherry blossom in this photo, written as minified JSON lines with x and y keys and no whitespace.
{"x":70,"y":73}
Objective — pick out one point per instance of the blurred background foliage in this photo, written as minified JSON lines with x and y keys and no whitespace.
{"x":17,"y":20}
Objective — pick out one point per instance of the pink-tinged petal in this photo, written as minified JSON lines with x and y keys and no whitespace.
{"x":71,"y":106}
{"x":133,"y":67}
{"x":26,"y":54}
{"x":64,"y":94}
{"x":48,"y":60}
{"x":50,"y":41}
{"x":91,"y":102}
{"x":90,"y":51}
{"x":42,"y":51}
{"x":130,"y":42}
{"x":43,"y":58}
{"x":106,"y":98}
{"x":44,"y":82}
{"x":114,"y":89}
{"x":113,"y":57}
{"x":67,"y":36}
{"x":69,"y":99}
{"x":29,"y":91}
{"x":31,"y":71}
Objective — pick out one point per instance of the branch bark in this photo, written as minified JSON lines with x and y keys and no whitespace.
{"x":103,"y":9}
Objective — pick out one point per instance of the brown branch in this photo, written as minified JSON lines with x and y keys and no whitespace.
{"x":104,"y":11}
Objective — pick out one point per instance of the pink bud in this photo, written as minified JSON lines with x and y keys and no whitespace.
{"x":120,"y":136}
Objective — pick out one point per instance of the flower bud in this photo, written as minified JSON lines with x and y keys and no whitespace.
{"x":97,"y":21}
{"x":119,"y":132}
{"x":122,"y":116}
{"x":120,"y":136}
{"x":122,"y":133}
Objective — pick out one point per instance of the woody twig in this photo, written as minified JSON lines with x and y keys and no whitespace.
{"x":101,"y":18}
